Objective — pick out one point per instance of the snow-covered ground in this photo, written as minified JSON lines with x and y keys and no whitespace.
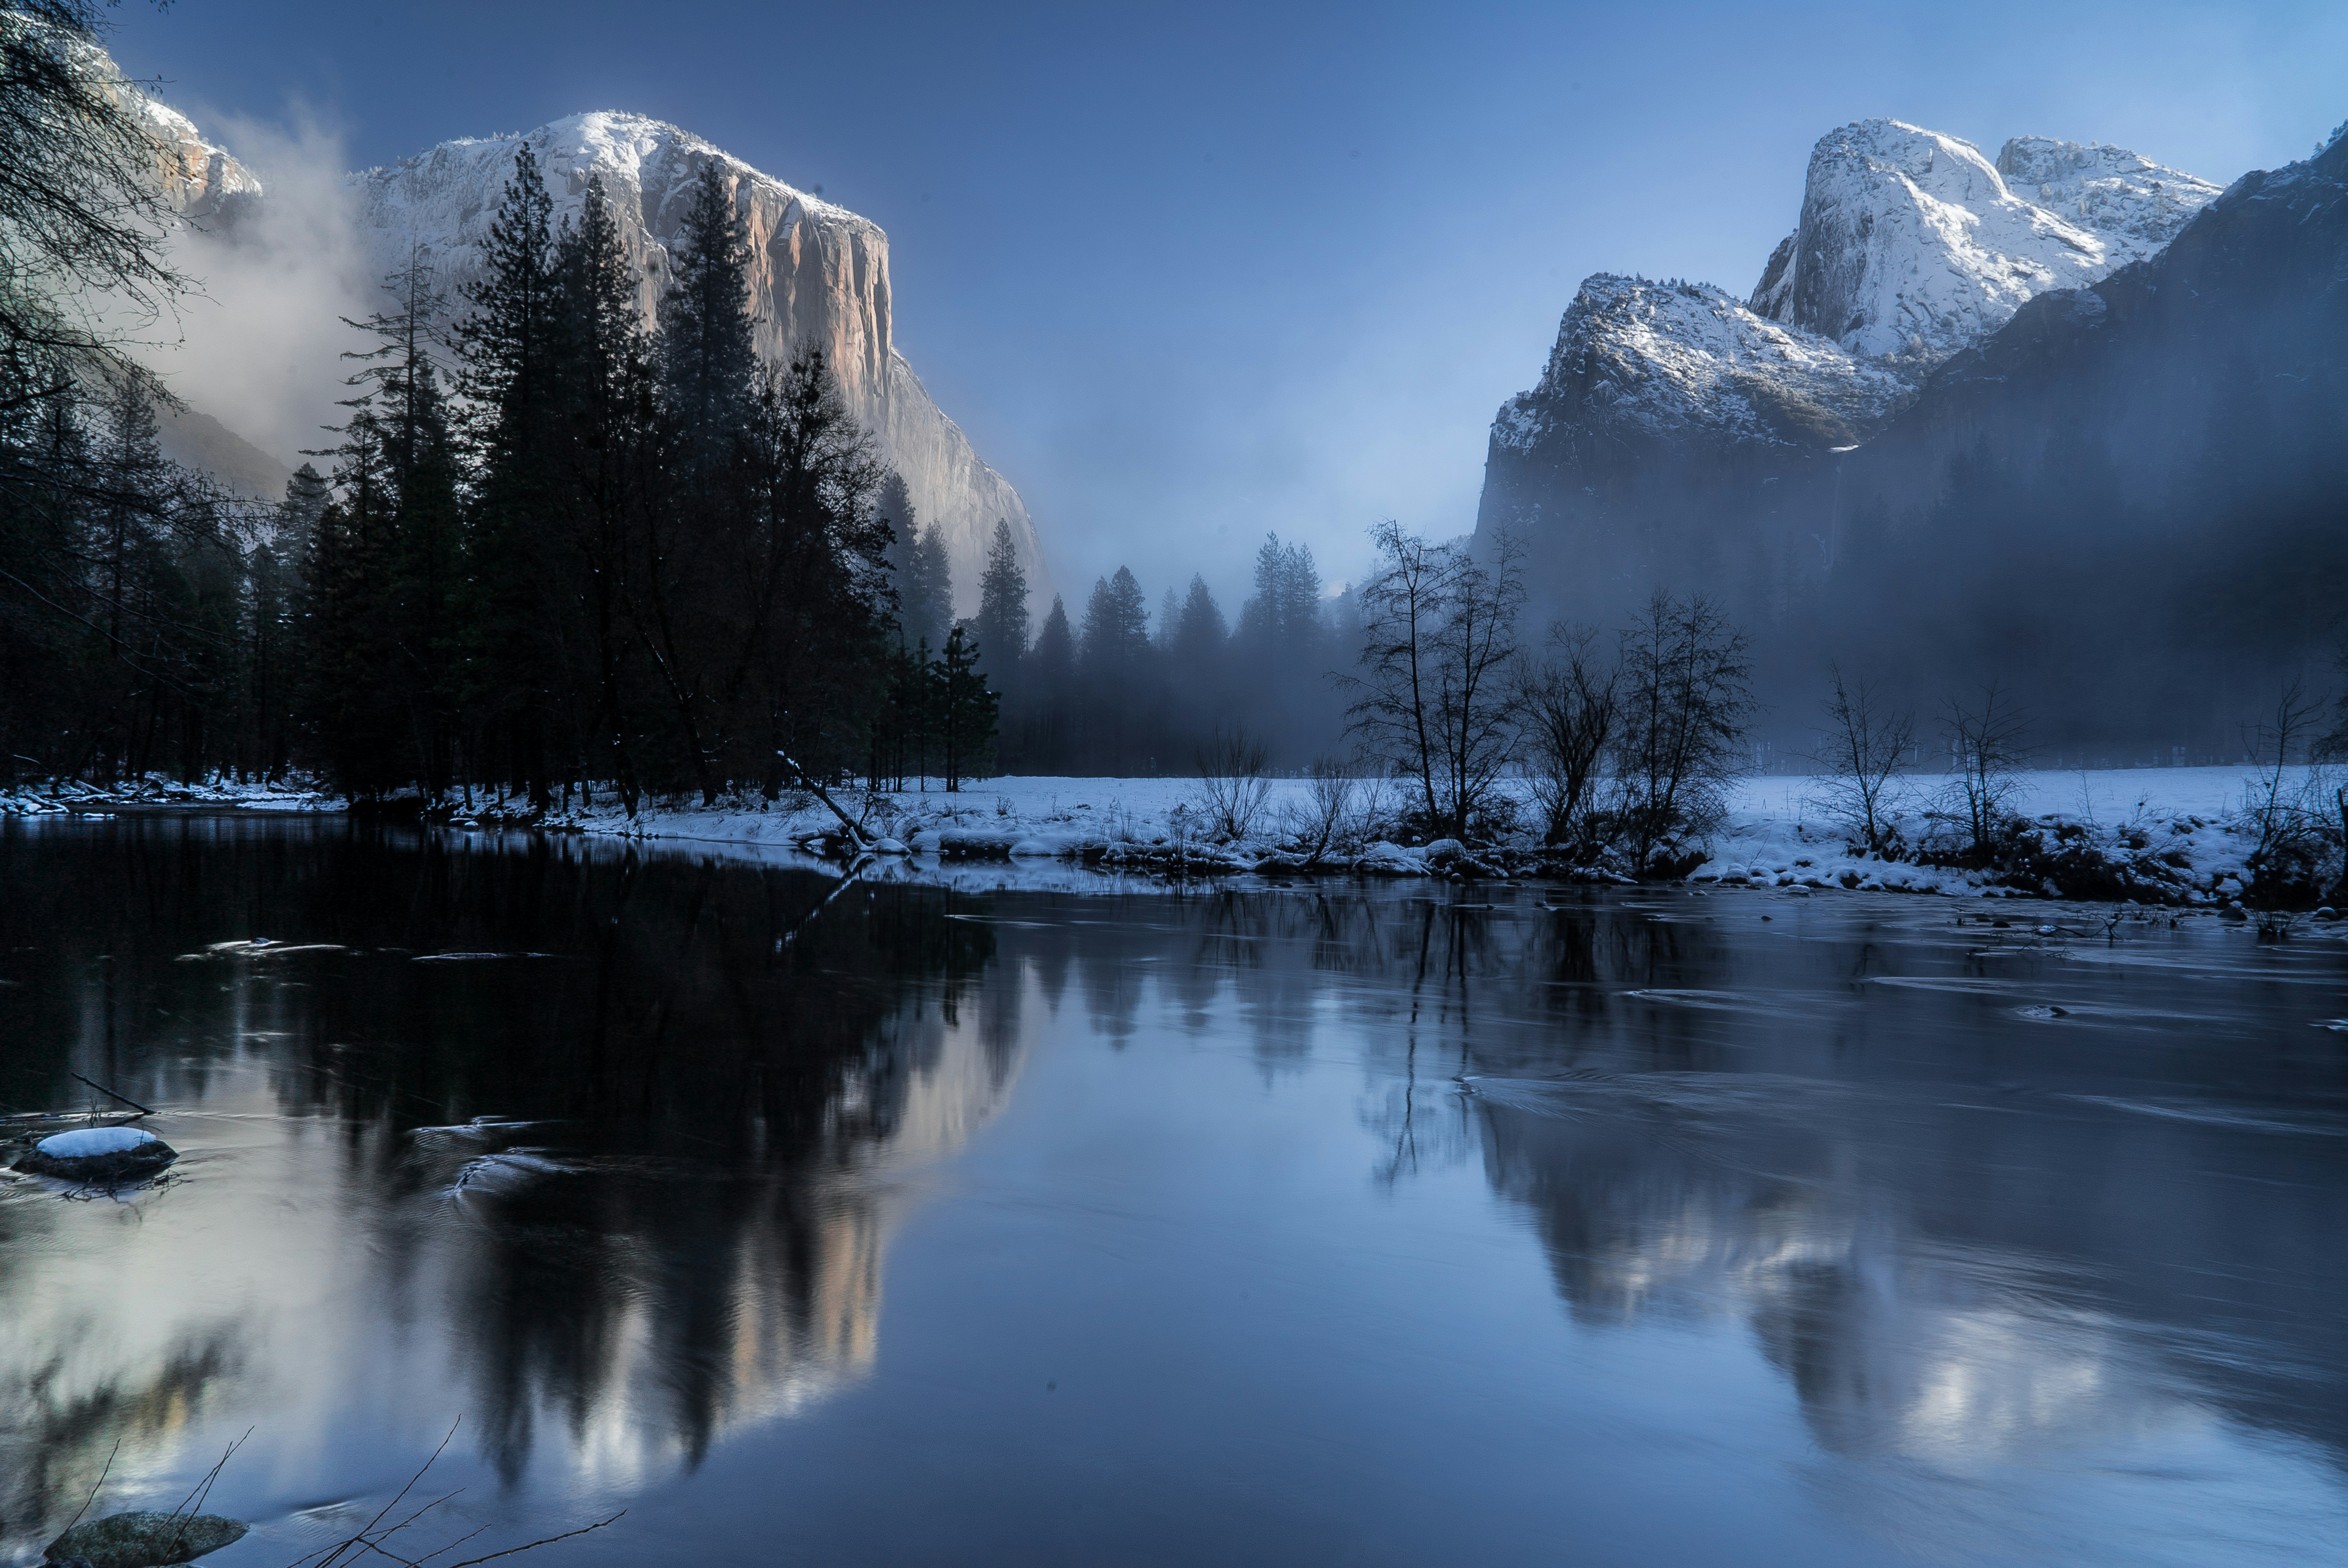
{"x":59,"y":796}
{"x":2170,"y":835}
{"x":2165,"y":835}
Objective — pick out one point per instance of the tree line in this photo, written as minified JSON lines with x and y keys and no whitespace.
{"x":558,"y":552}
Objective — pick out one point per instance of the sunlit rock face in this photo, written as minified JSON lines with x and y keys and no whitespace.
{"x":818,"y":280}
{"x":1661,"y":401}
{"x":202,"y":182}
{"x":1911,"y":242}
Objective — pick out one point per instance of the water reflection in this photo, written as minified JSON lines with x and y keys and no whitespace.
{"x":634,"y":1187}
{"x":2039,"y":1246}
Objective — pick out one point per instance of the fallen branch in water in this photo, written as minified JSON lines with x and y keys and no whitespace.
{"x":102,"y":1089}
{"x":855,"y":833}
{"x":369,"y":1539}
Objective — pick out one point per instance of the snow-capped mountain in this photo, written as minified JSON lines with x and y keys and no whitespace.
{"x":2124,"y":492}
{"x":1667,"y":359}
{"x":818,"y":276}
{"x":1911,"y":242}
{"x":819,"y":279}
{"x":1912,"y":247}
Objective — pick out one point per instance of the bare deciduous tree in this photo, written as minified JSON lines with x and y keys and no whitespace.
{"x":1433,"y":700}
{"x":2290,"y":819}
{"x":1861,"y":746}
{"x":1232,"y":784}
{"x":1324,"y":814}
{"x":1688,"y":700}
{"x":1566,"y":703}
{"x":82,"y":211}
{"x":1988,"y":743}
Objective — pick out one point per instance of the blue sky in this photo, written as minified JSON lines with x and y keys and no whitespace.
{"x":1188,"y":274}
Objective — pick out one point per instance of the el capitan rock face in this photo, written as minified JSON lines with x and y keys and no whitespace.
{"x":819,"y":279}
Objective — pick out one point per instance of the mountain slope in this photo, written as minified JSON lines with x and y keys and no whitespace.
{"x":194,"y":439}
{"x":2131,"y":495}
{"x":1911,"y":242}
{"x":1661,"y":401}
{"x":818,"y":278}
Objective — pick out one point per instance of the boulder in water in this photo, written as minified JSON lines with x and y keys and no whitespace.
{"x":143,"y":1538}
{"x":99,"y":1154}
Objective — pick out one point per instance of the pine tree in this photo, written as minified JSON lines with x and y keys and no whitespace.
{"x":696,"y":524}
{"x":1002,"y":623}
{"x":606,"y":459}
{"x":1199,"y":633}
{"x":509,"y":348}
{"x":1047,"y":720}
{"x":1116,"y":626}
{"x":1118,"y":688}
{"x":708,"y":365}
{"x":419,"y":532}
{"x":967,"y":711}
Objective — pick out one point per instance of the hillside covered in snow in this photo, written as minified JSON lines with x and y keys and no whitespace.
{"x":1912,"y":245}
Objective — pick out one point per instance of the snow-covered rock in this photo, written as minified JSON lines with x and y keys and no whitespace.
{"x":98,"y":1154}
{"x":1912,"y":243}
{"x":2134,"y":205}
{"x":819,"y":279}
{"x":1669,"y":359}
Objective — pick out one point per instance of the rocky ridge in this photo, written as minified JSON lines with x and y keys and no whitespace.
{"x":1911,"y":246}
{"x":1912,"y":243}
{"x":1660,"y":398}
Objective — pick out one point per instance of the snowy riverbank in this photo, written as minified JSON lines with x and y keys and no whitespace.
{"x":2160,"y":835}
{"x":66,"y":797}
{"x":2173,"y":836}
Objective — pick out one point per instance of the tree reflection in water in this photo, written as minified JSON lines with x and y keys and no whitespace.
{"x":627,"y":1170}
{"x":634,"y":1192}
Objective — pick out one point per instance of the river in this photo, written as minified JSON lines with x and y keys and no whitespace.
{"x":1330,"y":1223}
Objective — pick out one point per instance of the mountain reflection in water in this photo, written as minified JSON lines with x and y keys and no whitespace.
{"x":1861,"y":1237}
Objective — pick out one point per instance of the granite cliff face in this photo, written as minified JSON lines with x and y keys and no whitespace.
{"x":819,"y":279}
{"x":2124,"y":494}
{"x":1664,"y":408}
{"x":1912,"y":243}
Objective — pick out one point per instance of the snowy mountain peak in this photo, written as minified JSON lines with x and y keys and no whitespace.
{"x":1663,"y":359}
{"x":1911,"y":242}
{"x":2134,"y":204}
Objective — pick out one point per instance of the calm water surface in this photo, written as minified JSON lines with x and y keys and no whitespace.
{"x":1296,"y":1226}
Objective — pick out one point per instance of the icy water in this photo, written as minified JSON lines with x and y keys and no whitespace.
{"x":1312,"y":1225}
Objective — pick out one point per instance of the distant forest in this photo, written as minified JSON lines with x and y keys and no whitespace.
{"x":564,"y":553}
{"x":1114,"y":690}
{"x":556,"y":552}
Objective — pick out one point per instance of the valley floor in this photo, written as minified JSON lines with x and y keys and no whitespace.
{"x":2175,"y":836}
{"x":2164,"y":835}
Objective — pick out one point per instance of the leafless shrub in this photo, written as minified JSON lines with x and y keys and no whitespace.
{"x":1988,"y":743}
{"x":1686,"y":702}
{"x":1861,"y":747}
{"x":2299,"y":826}
{"x":1432,"y":701}
{"x":1232,"y":788}
{"x":370,"y":1540}
{"x":1567,"y":705}
{"x":1319,"y":820}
